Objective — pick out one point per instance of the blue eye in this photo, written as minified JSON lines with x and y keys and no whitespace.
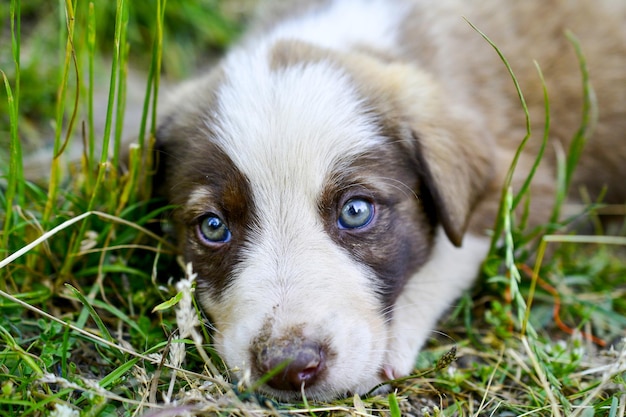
{"x":356,"y":213}
{"x":213,"y":230}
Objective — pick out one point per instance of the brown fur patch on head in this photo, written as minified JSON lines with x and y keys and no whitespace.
{"x":200,"y":179}
{"x":290,"y":52}
{"x":400,"y":237}
{"x":454,"y":158}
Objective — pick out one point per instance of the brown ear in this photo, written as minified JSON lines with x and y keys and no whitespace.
{"x":452,"y":150}
{"x":455,"y":169}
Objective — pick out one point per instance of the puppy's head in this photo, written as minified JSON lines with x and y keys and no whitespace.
{"x":309,"y":185}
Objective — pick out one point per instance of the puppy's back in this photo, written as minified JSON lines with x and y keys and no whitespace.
{"x":529,"y":32}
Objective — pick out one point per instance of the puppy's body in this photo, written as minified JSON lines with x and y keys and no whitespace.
{"x":337,"y":172}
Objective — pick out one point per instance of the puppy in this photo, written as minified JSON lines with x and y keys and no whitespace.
{"x":335,"y":176}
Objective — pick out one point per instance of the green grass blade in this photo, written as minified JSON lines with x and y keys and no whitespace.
{"x":104,"y":166}
{"x":15,"y":11}
{"x":509,"y":176}
{"x":55,"y":169}
{"x":91,"y":56}
{"x":394,"y":407}
{"x":523,"y":191}
{"x":585,"y":130}
{"x":118,"y":373}
{"x":121,"y":87}
{"x":15,"y":181}
{"x":106,"y":137}
{"x":116,"y":312}
{"x":93,"y":314}
{"x":614,"y":407}
{"x":151,"y":98}
{"x":14,"y":194}
{"x":10,"y":343}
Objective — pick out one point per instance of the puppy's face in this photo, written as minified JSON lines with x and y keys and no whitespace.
{"x":304,"y":207}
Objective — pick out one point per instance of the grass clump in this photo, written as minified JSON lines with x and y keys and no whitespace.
{"x":78,"y":274}
{"x":90,"y":323}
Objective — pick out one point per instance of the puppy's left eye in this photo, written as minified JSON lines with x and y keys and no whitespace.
{"x":356,"y":213}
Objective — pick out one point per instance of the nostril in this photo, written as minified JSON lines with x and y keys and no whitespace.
{"x":292,"y":362}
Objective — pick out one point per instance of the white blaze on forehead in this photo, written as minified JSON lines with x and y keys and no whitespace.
{"x":299,"y":120}
{"x":286,"y":130}
{"x":290,"y":125}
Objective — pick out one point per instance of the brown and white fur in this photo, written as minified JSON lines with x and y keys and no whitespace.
{"x":394,"y":106}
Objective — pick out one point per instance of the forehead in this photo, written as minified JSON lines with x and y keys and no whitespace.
{"x":293,"y":123}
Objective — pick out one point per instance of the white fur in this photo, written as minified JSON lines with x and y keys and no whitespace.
{"x":372,"y":23}
{"x":287,"y":294}
{"x":260,"y":128}
{"x":428,"y":294}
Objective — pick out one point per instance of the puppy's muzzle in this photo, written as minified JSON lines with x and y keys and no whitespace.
{"x":294,"y":362}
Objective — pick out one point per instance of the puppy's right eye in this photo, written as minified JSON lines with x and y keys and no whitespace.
{"x":356,"y":214}
{"x":213,"y":230}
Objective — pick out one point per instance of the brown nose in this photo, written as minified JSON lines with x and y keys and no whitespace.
{"x":293,"y":362}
